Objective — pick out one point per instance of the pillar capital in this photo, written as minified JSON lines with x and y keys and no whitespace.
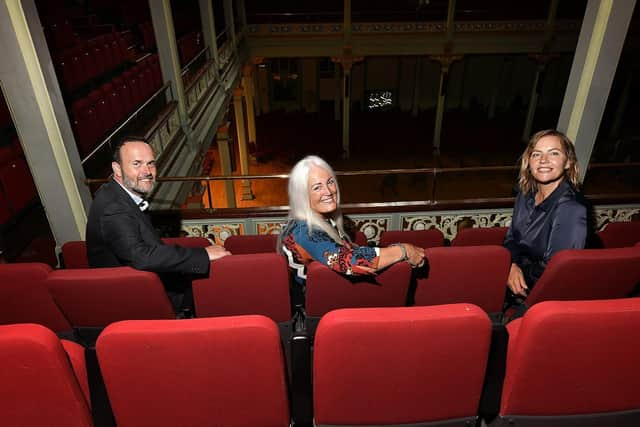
{"x":445,"y":60}
{"x":542,"y":59}
{"x":347,"y":59}
{"x":247,"y":69}
{"x":223,"y":129}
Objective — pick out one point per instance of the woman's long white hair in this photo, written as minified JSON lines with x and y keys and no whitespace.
{"x":300,"y":206}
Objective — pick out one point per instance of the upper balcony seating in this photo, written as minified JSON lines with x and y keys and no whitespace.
{"x":199,"y":372}
{"x":245,"y":284}
{"x":26,"y":299}
{"x":400,"y":366}
{"x":108,"y":105}
{"x":38,"y":385}
{"x":480,"y":236}
{"x":587,"y":274}
{"x":148,"y":37}
{"x":421,"y":238}
{"x":620,"y":234}
{"x":251,"y":244}
{"x":17,"y":185}
{"x":328,"y":290}
{"x":471,"y":274}
{"x":90,"y":59}
{"x":573,"y":364}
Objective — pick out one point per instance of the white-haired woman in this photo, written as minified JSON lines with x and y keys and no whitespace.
{"x":314,"y":230}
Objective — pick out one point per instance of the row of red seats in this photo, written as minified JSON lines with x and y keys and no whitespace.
{"x":104,"y":108}
{"x":91,"y":59}
{"x":188,"y":46}
{"x":59,"y":35}
{"x":569,"y":363}
{"x":148,"y":37}
{"x":91,"y":298}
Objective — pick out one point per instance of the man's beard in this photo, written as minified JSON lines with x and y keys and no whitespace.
{"x":132,"y":185}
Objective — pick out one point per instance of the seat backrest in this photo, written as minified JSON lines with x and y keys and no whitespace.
{"x":199,"y":372}
{"x":583,"y":274}
{"x":572,"y":358}
{"x":74,"y":254}
{"x":26,"y":299}
{"x":328,"y":290}
{"x":251,"y":244}
{"x":97,"y":297}
{"x":480,"y":236}
{"x":620,"y":234}
{"x":245,"y":284}
{"x":38,"y":386}
{"x":421,"y":238}
{"x":187,"y":242}
{"x":473,"y":274}
{"x":397,"y":366}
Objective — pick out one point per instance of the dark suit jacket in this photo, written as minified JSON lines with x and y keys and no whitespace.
{"x":119,"y":234}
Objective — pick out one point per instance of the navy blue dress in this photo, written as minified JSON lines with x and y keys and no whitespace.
{"x":538,"y":232}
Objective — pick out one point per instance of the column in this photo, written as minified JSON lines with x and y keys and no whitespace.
{"x":602,"y":35}
{"x":31,"y":90}
{"x":224,"y":153}
{"x":415,"y":105}
{"x":337,"y":98}
{"x":169,"y":58}
{"x":445,"y":62}
{"x":248,"y":91}
{"x":541,"y":64}
{"x":247,"y":194}
{"x":346,"y":110}
{"x":209,"y":31}
{"x":228,"y":18}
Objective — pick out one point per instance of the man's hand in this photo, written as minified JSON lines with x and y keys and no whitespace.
{"x":516,"y":281}
{"x":216,"y":252}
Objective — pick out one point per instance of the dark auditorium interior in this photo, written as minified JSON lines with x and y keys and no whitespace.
{"x":422,"y":107}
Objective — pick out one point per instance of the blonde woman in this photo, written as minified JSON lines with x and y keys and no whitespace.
{"x":548,"y":215}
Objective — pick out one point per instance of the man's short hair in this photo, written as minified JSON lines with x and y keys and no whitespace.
{"x":121,"y":141}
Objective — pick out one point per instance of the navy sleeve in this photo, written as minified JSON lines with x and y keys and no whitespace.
{"x":568,"y":230}
{"x":509,"y":240}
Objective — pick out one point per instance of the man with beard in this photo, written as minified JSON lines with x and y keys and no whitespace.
{"x":120,"y":232}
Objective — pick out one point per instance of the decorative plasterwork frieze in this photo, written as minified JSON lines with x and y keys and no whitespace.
{"x":372,"y":225}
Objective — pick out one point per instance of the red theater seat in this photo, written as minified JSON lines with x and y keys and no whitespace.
{"x":620,"y":234}
{"x":400,"y":366}
{"x":74,"y":253}
{"x":472,"y":274}
{"x":26,"y":299}
{"x":586,"y":274}
{"x":198,"y":372}
{"x":421,"y":238}
{"x":328,"y":290}
{"x":38,"y":386}
{"x":93,"y":298}
{"x":573,"y":363}
{"x":480,"y":236}
{"x":251,"y":243}
{"x":245,"y":284}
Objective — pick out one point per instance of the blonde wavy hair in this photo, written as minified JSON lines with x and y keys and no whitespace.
{"x":526,"y":181}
